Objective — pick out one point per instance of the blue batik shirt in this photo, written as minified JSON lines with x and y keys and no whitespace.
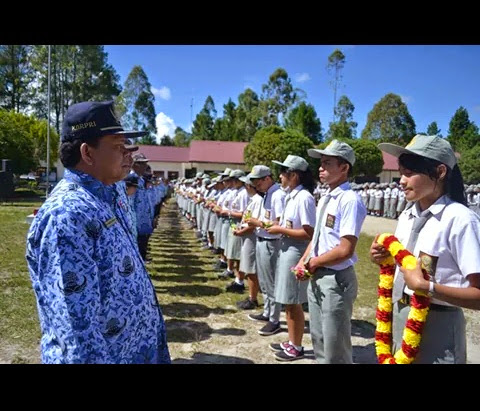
{"x":142,"y":209}
{"x":95,"y":300}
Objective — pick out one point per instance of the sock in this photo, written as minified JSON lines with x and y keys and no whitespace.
{"x":297,"y":347}
{"x":238,"y":281}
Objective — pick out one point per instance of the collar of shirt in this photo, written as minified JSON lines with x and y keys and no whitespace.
{"x":339,"y":190}
{"x":436,"y":208}
{"x":293,"y":193}
{"x":91,"y":184}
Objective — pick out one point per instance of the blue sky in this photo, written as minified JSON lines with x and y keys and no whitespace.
{"x":433,"y":80}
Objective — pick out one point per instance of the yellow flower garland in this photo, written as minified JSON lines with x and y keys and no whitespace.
{"x":419,"y":307}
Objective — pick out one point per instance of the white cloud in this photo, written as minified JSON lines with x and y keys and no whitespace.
{"x":165,"y":126}
{"x":302,"y":77}
{"x":164,"y":93}
{"x":406,"y":99}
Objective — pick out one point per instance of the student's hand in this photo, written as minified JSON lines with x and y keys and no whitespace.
{"x":378,"y":253}
{"x":274,"y":229}
{"x":414,"y":278}
{"x":253,"y":222}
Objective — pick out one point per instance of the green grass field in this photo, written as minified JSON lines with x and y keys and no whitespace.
{"x":182,"y":273}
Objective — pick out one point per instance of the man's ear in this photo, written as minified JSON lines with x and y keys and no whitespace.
{"x":86,"y":153}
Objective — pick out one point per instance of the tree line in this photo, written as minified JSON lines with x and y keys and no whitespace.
{"x":280,"y":115}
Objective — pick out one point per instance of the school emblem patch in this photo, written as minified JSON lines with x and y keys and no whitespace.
{"x":429,"y":262}
{"x":289,"y":224}
{"x":267,"y":214}
{"x":330,"y":222}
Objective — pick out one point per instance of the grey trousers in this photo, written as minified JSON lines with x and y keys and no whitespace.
{"x":331,"y":295}
{"x":443,"y":337}
{"x":266,"y":261}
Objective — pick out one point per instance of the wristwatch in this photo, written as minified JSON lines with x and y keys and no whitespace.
{"x":431,"y":288}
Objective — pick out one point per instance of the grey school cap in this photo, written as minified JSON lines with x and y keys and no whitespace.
{"x":236,"y":173}
{"x":433,"y":147}
{"x":226,"y":172}
{"x":293,"y":162}
{"x":246,"y":180}
{"x":259,"y":171}
{"x":335,"y":149}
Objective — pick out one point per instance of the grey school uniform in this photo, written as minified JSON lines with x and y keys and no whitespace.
{"x":234,"y":244}
{"x":249,"y":242}
{"x":332,"y":290}
{"x":226,"y":220}
{"x":267,"y":251}
{"x":299,"y":211}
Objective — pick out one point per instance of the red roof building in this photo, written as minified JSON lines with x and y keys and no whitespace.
{"x":202,"y":156}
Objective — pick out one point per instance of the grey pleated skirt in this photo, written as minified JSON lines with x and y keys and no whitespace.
{"x":218,"y":232}
{"x":247,"y":255}
{"x":224,"y":232}
{"x":288,"y":290}
{"x":234,"y":244}
{"x":371,"y":202}
{"x":212,"y":222}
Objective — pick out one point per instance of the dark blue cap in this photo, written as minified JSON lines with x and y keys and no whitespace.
{"x":93,"y":119}
{"x":131,"y":180}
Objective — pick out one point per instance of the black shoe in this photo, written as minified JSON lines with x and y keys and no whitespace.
{"x":215,"y":250}
{"x":270,"y":328}
{"x":279,"y":347}
{"x":290,"y":354}
{"x":247,"y":304}
{"x":226,"y":274}
{"x":219,"y":265}
{"x":258,"y":317}
{"x":234,"y":287}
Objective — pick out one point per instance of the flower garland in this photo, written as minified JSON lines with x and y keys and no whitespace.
{"x":419,"y":306}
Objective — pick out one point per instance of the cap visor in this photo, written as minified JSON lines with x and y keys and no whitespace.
{"x":394,"y":150}
{"x":279,"y":163}
{"x":131,"y":147}
{"x":316,"y":153}
{"x":131,"y":134}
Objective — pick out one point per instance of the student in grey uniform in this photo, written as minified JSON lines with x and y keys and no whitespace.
{"x":371,"y":198}
{"x":330,"y":257}
{"x":267,"y":246}
{"x":249,"y":240}
{"x":448,"y":245}
{"x":234,"y":244}
{"x":401,"y":201}
{"x":296,"y":227}
{"x":392,"y":213}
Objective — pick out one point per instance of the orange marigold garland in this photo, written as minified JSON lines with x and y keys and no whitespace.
{"x":419,"y":306}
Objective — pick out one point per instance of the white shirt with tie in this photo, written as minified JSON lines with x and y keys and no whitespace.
{"x":343,"y":216}
{"x":449,"y":240}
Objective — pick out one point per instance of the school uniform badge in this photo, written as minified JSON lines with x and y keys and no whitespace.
{"x":330,"y":222}
{"x":289,"y":224}
{"x":267,"y":214}
{"x":429,"y":263}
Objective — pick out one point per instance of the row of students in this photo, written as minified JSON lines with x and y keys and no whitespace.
{"x":433,"y":186}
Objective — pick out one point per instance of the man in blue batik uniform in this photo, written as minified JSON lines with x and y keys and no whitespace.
{"x":95,"y":300}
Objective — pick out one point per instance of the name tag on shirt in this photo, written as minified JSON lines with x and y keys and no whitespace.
{"x":330,"y":222}
{"x":110,"y":222}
